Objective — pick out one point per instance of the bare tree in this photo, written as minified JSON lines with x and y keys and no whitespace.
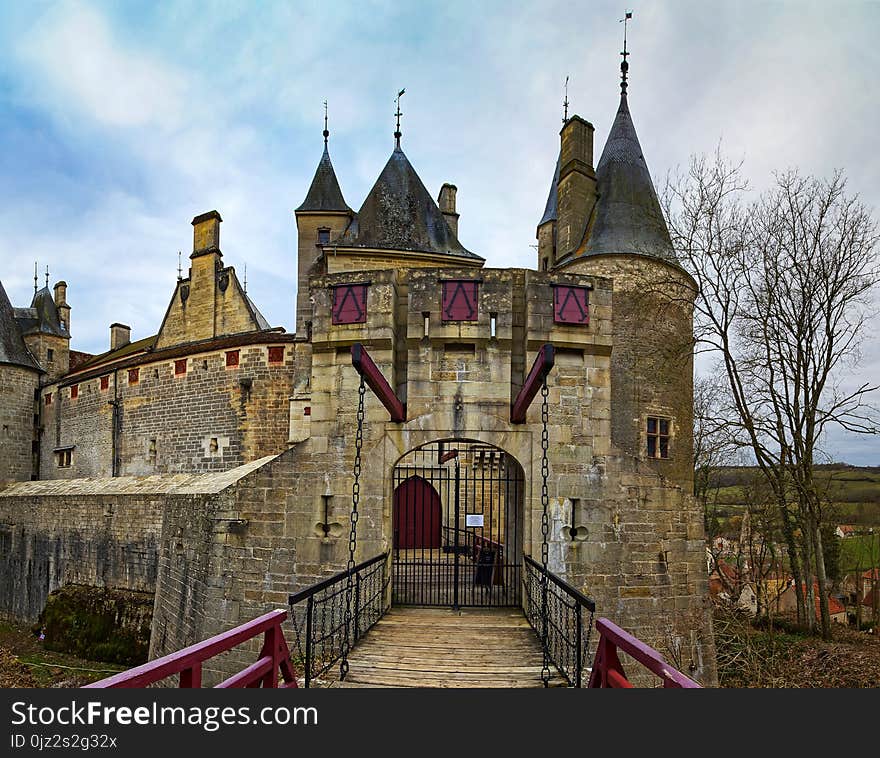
{"x":784,"y":287}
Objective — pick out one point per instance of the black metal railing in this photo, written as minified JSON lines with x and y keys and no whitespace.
{"x":569,"y":621}
{"x":318,"y":614}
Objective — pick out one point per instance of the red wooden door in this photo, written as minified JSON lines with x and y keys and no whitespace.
{"x":417,"y":512}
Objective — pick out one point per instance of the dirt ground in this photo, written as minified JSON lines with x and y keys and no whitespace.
{"x":24,"y":663}
{"x":782,"y":656}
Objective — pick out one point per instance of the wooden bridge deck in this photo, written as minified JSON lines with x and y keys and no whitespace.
{"x":438,"y":647}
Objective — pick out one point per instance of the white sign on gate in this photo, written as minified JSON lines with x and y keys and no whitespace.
{"x":473,"y":519}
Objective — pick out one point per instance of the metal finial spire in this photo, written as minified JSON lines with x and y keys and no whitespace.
{"x":624,"y":66}
{"x":245,"y":276}
{"x":326,"y":130}
{"x":179,"y":266}
{"x":397,"y":133}
{"x":565,"y":103}
{"x":35,"y":278}
{"x":47,"y":276}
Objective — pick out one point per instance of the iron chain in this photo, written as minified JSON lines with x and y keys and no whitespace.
{"x":352,"y":536}
{"x":545,"y":532}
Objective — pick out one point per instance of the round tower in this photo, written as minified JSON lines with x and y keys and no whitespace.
{"x":627,"y":240}
{"x":19,"y":380}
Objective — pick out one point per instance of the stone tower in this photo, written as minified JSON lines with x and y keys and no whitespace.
{"x":19,"y":381}
{"x":321,"y":218}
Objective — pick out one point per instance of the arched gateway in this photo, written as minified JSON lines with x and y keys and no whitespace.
{"x":457,"y":526}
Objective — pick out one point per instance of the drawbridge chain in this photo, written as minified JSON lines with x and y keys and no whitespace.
{"x":352,"y":537}
{"x":545,"y":532}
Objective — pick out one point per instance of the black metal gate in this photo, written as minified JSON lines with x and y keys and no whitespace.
{"x":457,"y":526}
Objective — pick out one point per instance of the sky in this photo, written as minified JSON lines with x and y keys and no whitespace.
{"x":120,"y":122}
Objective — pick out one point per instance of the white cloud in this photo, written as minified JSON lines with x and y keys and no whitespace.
{"x":80,"y":66}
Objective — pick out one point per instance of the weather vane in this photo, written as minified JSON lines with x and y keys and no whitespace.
{"x":179,"y":266}
{"x":245,"y":265}
{"x":624,"y":66}
{"x":397,"y":134}
{"x":326,"y":130}
{"x":565,"y":102}
{"x":36,"y":278}
{"x":47,"y":277}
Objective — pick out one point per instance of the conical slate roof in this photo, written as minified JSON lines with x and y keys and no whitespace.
{"x":42,"y":316}
{"x":400,"y":214}
{"x":551,"y":209}
{"x":12,"y":347}
{"x":324,"y":193}
{"x":627,"y":217}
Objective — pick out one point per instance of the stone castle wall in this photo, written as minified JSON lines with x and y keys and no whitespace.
{"x":211,"y":418}
{"x":17,"y":388}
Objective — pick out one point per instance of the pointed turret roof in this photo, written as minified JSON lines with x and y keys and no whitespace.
{"x":42,"y":316}
{"x":324,"y":193}
{"x":400,"y":214}
{"x":12,"y":347}
{"x":552,"y":207}
{"x":627,"y":218}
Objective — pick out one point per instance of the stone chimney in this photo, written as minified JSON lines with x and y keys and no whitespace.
{"x":446,"y":201}
{"x":577,"y":184}
{"x":61,"y":304}
{"x":120,"y":336}
{"x":206,"y":233}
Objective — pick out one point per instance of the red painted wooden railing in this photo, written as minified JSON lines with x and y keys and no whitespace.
{"x":274,"y":655}
{"x":607,"y":670}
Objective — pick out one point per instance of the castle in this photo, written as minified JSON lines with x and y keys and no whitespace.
{"x":210,"y":465}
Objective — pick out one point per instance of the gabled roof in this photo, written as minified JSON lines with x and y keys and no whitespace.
{"x":551,"y":209}
{"x":111,"y":356}
{"x":42,"y":317}
{"x":627,"y":217}
{"x":324,"y":193}
{"x":12,"y":347}
{"x":400,"y":214}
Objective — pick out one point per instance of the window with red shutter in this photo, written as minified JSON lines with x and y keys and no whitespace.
{"x":180,"y":367}
{"x":133,"y":375}
{"x":571,"y":305}
{"x":276,"y":355}
{"x":460,"y":300}
{"x":74,"y":392}
{"x":105,"y":382}
{"x":48,"y":398}
{"x":350,"y":303}
{"x":232,"y":359}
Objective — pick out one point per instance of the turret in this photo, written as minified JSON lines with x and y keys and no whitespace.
{"x":320,"y":219}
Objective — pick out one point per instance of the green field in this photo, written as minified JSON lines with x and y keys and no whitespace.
{"x":852,"y":492}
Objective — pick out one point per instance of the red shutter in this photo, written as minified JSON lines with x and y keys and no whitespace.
{"x":571,"y":305}
{"x":74,"y":392}
{"x":133,"y":375}
{"x":232,"y":359}
{"x":460,"y":300}
{"x":180,"y":367}
{"x":105,"y":382}
{"x":350,"y":304}
{"x":276,"y":355}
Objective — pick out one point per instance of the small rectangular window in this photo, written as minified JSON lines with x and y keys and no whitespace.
{"x":323,"y":236}
{"x":74,"y":392}
{"x":65,"y":458}
{"x":658,"y":432}
{"x":50,"y":355}
{"x":48,"y":398}
{"x":134,"y":375}
{"x":493,"y":325}
{"x":307,"y":411}
{"x":427,"y":317}
{"x":232,"y":359}
{"x":105,"y":382}
{"x":276,"y":355}
{"x":180,"y":367}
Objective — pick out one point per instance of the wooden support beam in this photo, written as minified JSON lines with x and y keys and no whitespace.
{"x":364,"y":365}
{"x":540,"y":368}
